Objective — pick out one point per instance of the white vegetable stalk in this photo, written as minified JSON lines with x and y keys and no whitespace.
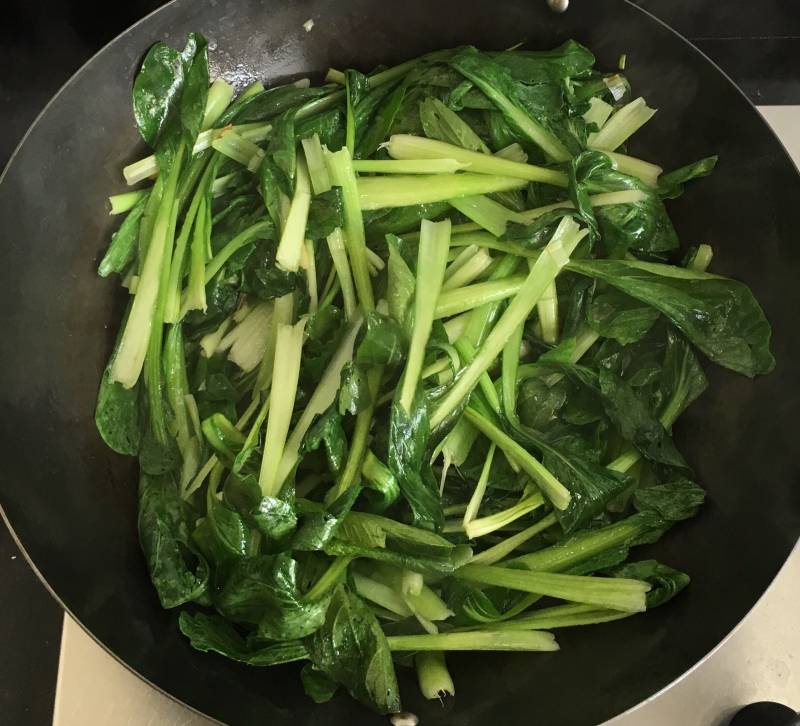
{"x":630,"y":165}
{"x":147,"y":168}
{"x":553,"y":258}
{"x":309,"y":263}
{"x":290,"y":247}
{"x":248,"y":340}
{"x":407,"y":146}
{"x":489,"y":214}
{"x":502,"y":549}
{"x":282,"y":314}
{"x":625,"y":122}
{"x":315,"y":160}
{"x":235,"y":147}
{"x":513,"y":152}
{"x":286,"y":371}
{"x":121,"y":203}
{"x":480,"y":488}
{"x":598,"y":112}
{"x":547,"y":309}
{"x":627,"y":196}
{"x":469,"y":271}
{"x":210,"y":341}
{"x":469,"y":297}
{"x":434,"y":243}
{"x":486,"y":525}
{"x":435,"y":681}
{"x":220,"y":94}
{"x":322,"y":398}
{"x":411,"y":166}
{"x":460,"y":259}
{"x":341,"y":264}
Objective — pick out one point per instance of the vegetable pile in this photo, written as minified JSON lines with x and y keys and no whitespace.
{"x":402,"y":359}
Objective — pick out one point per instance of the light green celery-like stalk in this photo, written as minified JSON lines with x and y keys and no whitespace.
{"x":455,"y":327}
{"x":147,"y":167}
{"x":475,"y":500}
{"x":510,"y":366}
{"x":513,"y":152}
{"x":455,"y":447}
{"x":320,"y":401}
{"x":290,"y":247}
{"x":219,"y":97}
{"x":248,"y":340}
{"x":310,"y":264}
{"x":130,"y":354}
{"x":530,"y":501}
{"x":407,"y":146}
{"x":375,"y":261}
{"x":434,"y":679}
{"x":315,"y":160}
{"x":482,"y":318}
{"x":121,"y":203}
{"x":547,"y":308}
{"x":282,"y":314}
{"x":210,"y":341}
{"x":469,"y":297}
{"x":502,"y":549}
{"x":376,"y":79}
{"x":622,"y":124}
{"x":555,"y":491}
{"x":466,"y":352}
{"x":379,"y":192}
{"x":426,"y":603}
{"x":340,"y":168}
{"x":554,"y":257}
{"x":630,"y":165}
{"x":702,"y":258}
{"x":319,"y":104}
{"x":337,"y":248}
{"x":615,"y":593}
{"x":235,"y":147}
{"x":222,"y":183}
{"x":244,"y":237}
{"x":381,"y":594}
{"x":598,"y":112}
{"x":434,"y":243}
{"x":486,"y":212}
{"x":411,"y":583}
{"x":627,"y":196}
{"x":410,"y":166}
{"x":252,"y":436}
{"x":469,"y":271}
{"x":562,"y":616}
{"x":508,"y":640}
{"x":288,"y":350}
{"x":329,"y":579}
{"x":458,"y":258}
{"x":196,"y":286}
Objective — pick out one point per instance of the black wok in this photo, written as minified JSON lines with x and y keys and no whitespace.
{"x":71,"y":502}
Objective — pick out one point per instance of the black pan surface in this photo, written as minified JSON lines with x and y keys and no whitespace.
{"x":71,"y":502}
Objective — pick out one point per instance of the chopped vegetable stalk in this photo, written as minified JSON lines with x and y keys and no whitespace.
{"x":220,"y":94}
{"x":622,"y":124}
{"x":248,"y":340}
{"x":412,"y":166}
{"x":547,"y":307}
{"x":510,"y":367}
{"x":379,"y":192}
{"x":196,"y":288}
{"x":513,"y":152}
{"x":615,"y":593}
{"x":469,"y":297}
{"x":556,"y":492}
{"x":310,"y":264}
{"x":238,"y":148}
{"x":486,"y":212}
{"x":434,"y":242}
{"x":405,"y":146}
{"x":282,"y":314}
{"x":627,"y":196}
{"x":434,"y":679}
{"x":381,"y":594}
{"x":121,"y":203}
{"x":336,"y":246}
{"x":482,"y":318}
{"x":554,"y":256}
{"x":315,"y":160}
{"x":562,"y":616}
{"x":632,"y":166}
{"x":321,"y":400}
{"x":469,"y":271}
{"x":530,"y":501}
{"x":702,"y":258}
{"x":290,"y":247}
{"x":288,"y":349}
{"x":480,"y":488}
{"x":598,"y":112}
{"x":502,"y":549}
{"x":525,"y":640}
{"x":129,"y":357}
{"x":340,"y":167}
{"x":250,"y":234}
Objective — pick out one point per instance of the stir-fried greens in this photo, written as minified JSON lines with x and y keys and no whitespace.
{"x":402,"y":358}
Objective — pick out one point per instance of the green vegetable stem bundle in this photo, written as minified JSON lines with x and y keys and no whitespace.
{"x":402,"y":358}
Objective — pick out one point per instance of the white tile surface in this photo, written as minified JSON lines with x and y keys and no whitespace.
{"x":758,"y":662}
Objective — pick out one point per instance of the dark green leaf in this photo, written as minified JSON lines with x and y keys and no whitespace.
{"x":195,"y":87}
{"x":378,"y":130}
{"x":354,"y":392}
{"x":445,"y":564}
{"x":317,"y":685}
{"x":351,"y":649}
{"x":212,"y":633}
{"x":225,"y":439}
{"x":327,"y":430}
{"x":325,"y":214}
{"x":719,"y":315}
{"x":157,"y":90}
{"x":401,"y":219}
{"x":666,"y":581}
{"x":613,"y":314}
{"x":321,"y":524}
{"x":117,"y":416}
{"x":671,"y":185}
{"x":122,"y":250}
{"x":178,"y":573}
{"x":383,"y":343}
{"x":272,"y":102}
{"x":673,"y":501}
{"x":262,"y":591}
{"x":408,"y":442}
{"x":568,"y":60}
